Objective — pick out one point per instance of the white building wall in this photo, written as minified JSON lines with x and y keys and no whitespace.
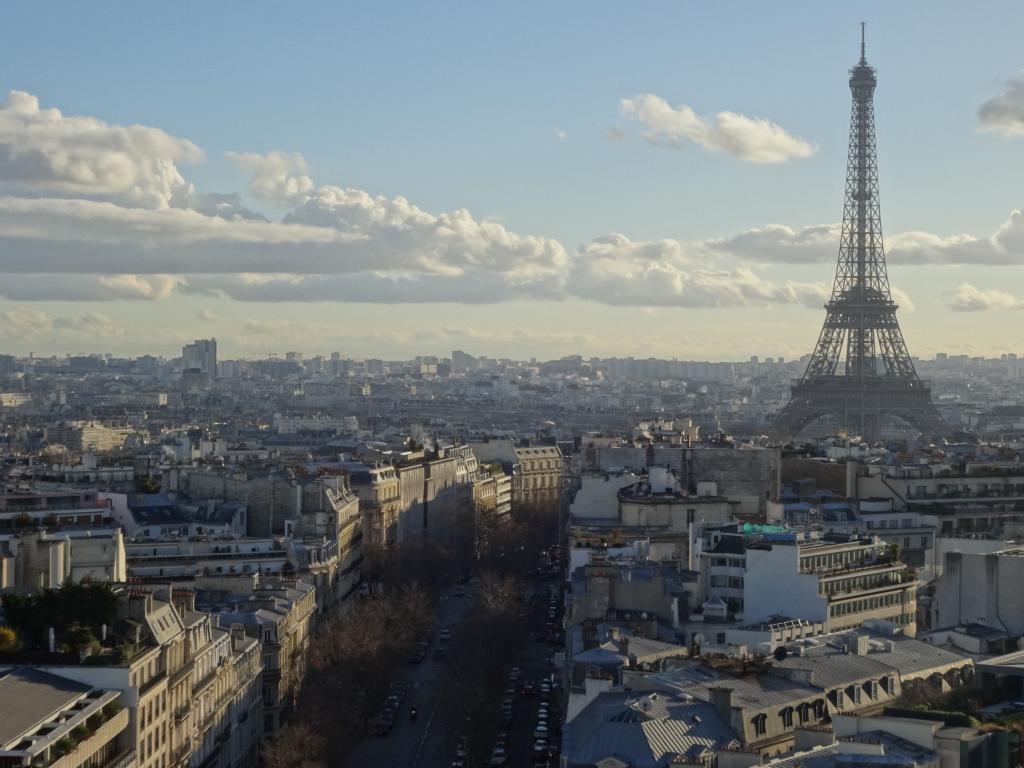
{"x":774,"y":586}
{"x":598,"y":495}
{"x":120,"y":512}
{"x":983,"y":588}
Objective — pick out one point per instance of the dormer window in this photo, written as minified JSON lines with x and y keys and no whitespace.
{"x":760,"y":723}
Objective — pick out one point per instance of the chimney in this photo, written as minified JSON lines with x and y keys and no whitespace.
{"x":140,"y":604}
{"x":237,"y":636}
{"x":859,"y":644}
{"x":721,"y":697}
{"x":184,"y":600}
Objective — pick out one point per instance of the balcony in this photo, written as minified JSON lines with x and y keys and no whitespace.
{"x":352,"y":566}
{"x":124,"y":760}
{"x":182,"y":712}
{"x":89,"y":746}
{"x":181,"y":754}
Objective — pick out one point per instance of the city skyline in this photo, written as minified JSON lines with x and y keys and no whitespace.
{"x":676,"y":203}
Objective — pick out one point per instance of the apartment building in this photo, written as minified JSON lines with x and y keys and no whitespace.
{"x":727,"y":712}
{"x":37,"y":559}
{"x":186,"y":559}
{"x":293,"y":424}
{"x":841,"y":583}
{"x":281,"y":614}
{"x":86,"y":435}
{"x":325,"y":552}
{"x":750,"y":476}
{"x":493,"y":492}
{"x":48,"y":720}
{"x":66,"y":509}
{"x":968,"y":497}
{"x":981,"y":589}
{"x":379,"y":492}
{"x":537,"y":478}
{"x":651,"y":507}
{"x":220,"y":716}
{"x":909,"y":739}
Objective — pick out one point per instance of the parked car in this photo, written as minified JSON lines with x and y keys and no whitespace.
{"x":445,"y":635}
{"x":540,"y":732}
{"x":499,"y":756}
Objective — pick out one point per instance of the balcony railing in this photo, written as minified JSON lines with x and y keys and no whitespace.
{"x":92,"y":744}
{"x":123,"y":760}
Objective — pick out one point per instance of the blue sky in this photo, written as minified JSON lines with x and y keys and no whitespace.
{"x":512,"y":111}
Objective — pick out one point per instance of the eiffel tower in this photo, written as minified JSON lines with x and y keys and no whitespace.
{"x":877,"y":379}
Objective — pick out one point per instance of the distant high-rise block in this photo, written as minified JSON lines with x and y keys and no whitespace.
{"x":201,"y":354}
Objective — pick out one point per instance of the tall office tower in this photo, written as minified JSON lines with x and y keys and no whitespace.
{"x":201,"y":354}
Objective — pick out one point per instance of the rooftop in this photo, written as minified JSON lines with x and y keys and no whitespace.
{"x":651,"y":729}
{"x":30,"y":697}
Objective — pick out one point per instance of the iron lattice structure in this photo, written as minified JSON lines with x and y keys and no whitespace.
{"x":875,"y":378}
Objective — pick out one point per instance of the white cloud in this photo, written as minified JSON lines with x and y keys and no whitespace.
{"x":207,"y":315}
{"x":258,"y":327}
{"x":561,"y":135}
{"x":615,"y":270}
{"x":615,"y":132}
{"x":348,"y":231}
{"x":1005,"y":113}
{"x":18,"y":325}
{"x":779,"y":243}
{"x":967,"y":298}
{"x":71,"y":229}
{"x":50,"y":287}
{"x":449,"y":243}
{"x":902,"y":299}
{"x":474,"y":287}
{"x":45,"y":152}
{"x":280,"y":178}
{"x":140,"y":286}
{"x":747,"y":138}
{"x":820,"y":243}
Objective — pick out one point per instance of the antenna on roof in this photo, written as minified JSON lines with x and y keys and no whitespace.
{"x":863,"y":55}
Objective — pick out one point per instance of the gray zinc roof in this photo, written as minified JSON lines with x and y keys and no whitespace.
{"x":645,"y":732}
{"x":30,"y":697}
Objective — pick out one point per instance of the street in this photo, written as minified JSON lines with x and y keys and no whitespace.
{"x":421,"y":742}
{"x":429,"y":741}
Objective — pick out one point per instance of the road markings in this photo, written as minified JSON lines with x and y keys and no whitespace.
{"x":426,"y":732}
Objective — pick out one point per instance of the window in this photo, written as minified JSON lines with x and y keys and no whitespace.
{"x":924,"y":542}
{"x":906,"y":522}
{"x":906,"y":542}
{"x":787,"y":717}
{"x":690,"y":513}
{"x":760,"y":723}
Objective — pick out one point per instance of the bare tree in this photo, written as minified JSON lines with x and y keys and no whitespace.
{"x":296,"y":745}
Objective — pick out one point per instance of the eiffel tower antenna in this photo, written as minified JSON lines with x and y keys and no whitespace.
{"x":860,"y":371}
